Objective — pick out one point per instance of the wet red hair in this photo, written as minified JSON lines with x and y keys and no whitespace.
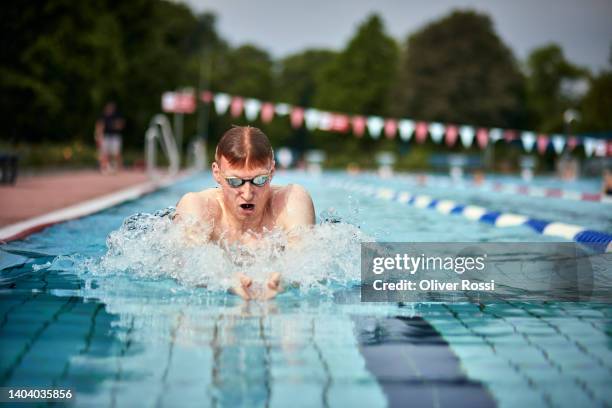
{"x":245,"y":147}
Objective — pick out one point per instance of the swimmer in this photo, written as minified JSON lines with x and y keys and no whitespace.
{"x":245,"y":205}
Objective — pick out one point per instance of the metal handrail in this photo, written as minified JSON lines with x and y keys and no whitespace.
{"x":159,"y":128}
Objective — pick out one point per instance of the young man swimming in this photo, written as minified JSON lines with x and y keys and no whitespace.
{"x":245,"y":205}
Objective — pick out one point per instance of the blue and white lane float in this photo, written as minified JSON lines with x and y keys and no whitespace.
{"x":599,"y":240}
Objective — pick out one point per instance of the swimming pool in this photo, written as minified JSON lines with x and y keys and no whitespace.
{"x":152,"y":339}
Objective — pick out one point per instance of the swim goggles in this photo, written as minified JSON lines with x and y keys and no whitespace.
{"x":257,"y":181}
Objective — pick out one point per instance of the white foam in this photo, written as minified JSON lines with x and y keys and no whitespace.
{"x":152,"y":247}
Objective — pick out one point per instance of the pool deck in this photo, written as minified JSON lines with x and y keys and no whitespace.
{"x":36,"y":195}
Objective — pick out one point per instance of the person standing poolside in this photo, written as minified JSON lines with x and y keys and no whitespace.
{"x":245,"y":205}
{"x":108,"y":138}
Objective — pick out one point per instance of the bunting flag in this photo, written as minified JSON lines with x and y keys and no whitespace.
{"x":542,"y":142}
{"x":186,"y":102}
{"x":312,"y":116}
{"x":267,"y":112}
{"x":572,"y":142}
{"x":558,"y":142}
{"x":282,"y":109}
{"x":340,"y":123}
{"x":390,"y":128}
{"x":467,"y":136}
{"x":510,"y":135}
{"x":482,"y":137}
{"x":528,"y":139}
{"x":222,"y":102}
{"x":206,"y":96}
{"x":325,"y":121}
{"x":601,"y":148}
{"x":359,"y":125}
{"x":252,"y":107}
{"x":451,"y":135}
{"x":495,"y":134}
{"x":420,"y":132}
{"x":297,"y":117}
{"x":589,"y":146}
{"x":436,"y":131}
{"x":375,"y":126}
{"x":406,"y":127}
{"x":236,"y":106}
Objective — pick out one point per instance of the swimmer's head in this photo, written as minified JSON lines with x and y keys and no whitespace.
{"x":245,"y":147}
{"x":244,"y":153}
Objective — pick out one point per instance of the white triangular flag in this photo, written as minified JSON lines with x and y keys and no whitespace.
{"x":601,"y":148}
{"x":589,"y":146}
{"x":325,"y":121}
{"x":436,"y":130}
{"x":282,"y":109}
{"x":467,"y":134}
{"x":312,"y":117}
{"x":222,"y":102}
{"x":252,"y":108}
{"x":375,"y":125}
{"x":406,"y":127}
{"x":558,"y":142}
{"x":528,"y":139}
{"x":495,"y":134}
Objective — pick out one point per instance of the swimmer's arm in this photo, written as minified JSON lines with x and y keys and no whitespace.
{"x":189,"y":212}
{"x":299,"y":212}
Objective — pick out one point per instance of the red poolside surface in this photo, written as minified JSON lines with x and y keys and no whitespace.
{"x":37,"y":195}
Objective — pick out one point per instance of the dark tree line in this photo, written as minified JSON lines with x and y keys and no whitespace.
{"x":61,"y":60}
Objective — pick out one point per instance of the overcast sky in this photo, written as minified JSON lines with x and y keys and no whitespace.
{"x":582,"y":27}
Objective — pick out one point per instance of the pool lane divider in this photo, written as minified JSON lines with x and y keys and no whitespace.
{"x":599,"y":240}
{"x":499,"y":187}
{"x":25,"y":228}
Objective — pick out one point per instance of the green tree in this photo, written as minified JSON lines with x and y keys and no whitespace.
{"x":57,"y":59}
{"x":245,"y":71}
{"x":457,"y":69}
{"x":360,"y":77}
{"x":297,"y":80}
{"x":549,"y":75}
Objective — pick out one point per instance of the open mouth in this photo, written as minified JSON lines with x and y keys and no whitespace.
{"x":249,"y":207}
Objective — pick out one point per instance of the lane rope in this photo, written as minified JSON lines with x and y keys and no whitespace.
{"x":600,"y":241}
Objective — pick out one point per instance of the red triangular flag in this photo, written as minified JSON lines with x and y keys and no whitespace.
{"x":359,"y":125}
{"x":390,"y":128}
{"x":572,"y":142}
{"x":236,"y":106}
{"x":451,"y":135}
{"x":510,"y":135}
{"x":340,"y":123}
{"x":297,"y":117}
{"x":542,"y":143}
{"x":267,"y":112}
{"x":206,"y":96}
{"x":482,"y":137}
{"x":420,"y":132}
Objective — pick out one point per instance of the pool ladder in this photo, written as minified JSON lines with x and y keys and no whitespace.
{"x":159,"y":129}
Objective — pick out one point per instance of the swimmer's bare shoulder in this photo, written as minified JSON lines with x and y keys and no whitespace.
{"x":294,"y":207}
{"x":202,"y":207}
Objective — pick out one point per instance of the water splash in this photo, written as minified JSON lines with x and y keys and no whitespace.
{"x":151,"y":246}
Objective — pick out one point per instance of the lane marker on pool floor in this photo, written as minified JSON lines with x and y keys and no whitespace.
{"x":22,"y":229}
{"x":600,"y":240}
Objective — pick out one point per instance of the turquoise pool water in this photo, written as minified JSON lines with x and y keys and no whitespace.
{"x":125,"y":339}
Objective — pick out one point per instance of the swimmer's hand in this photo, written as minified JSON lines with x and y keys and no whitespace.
{"x":242,"y":286}
{"x":245,"y":289}
{"x":273,"y":286}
